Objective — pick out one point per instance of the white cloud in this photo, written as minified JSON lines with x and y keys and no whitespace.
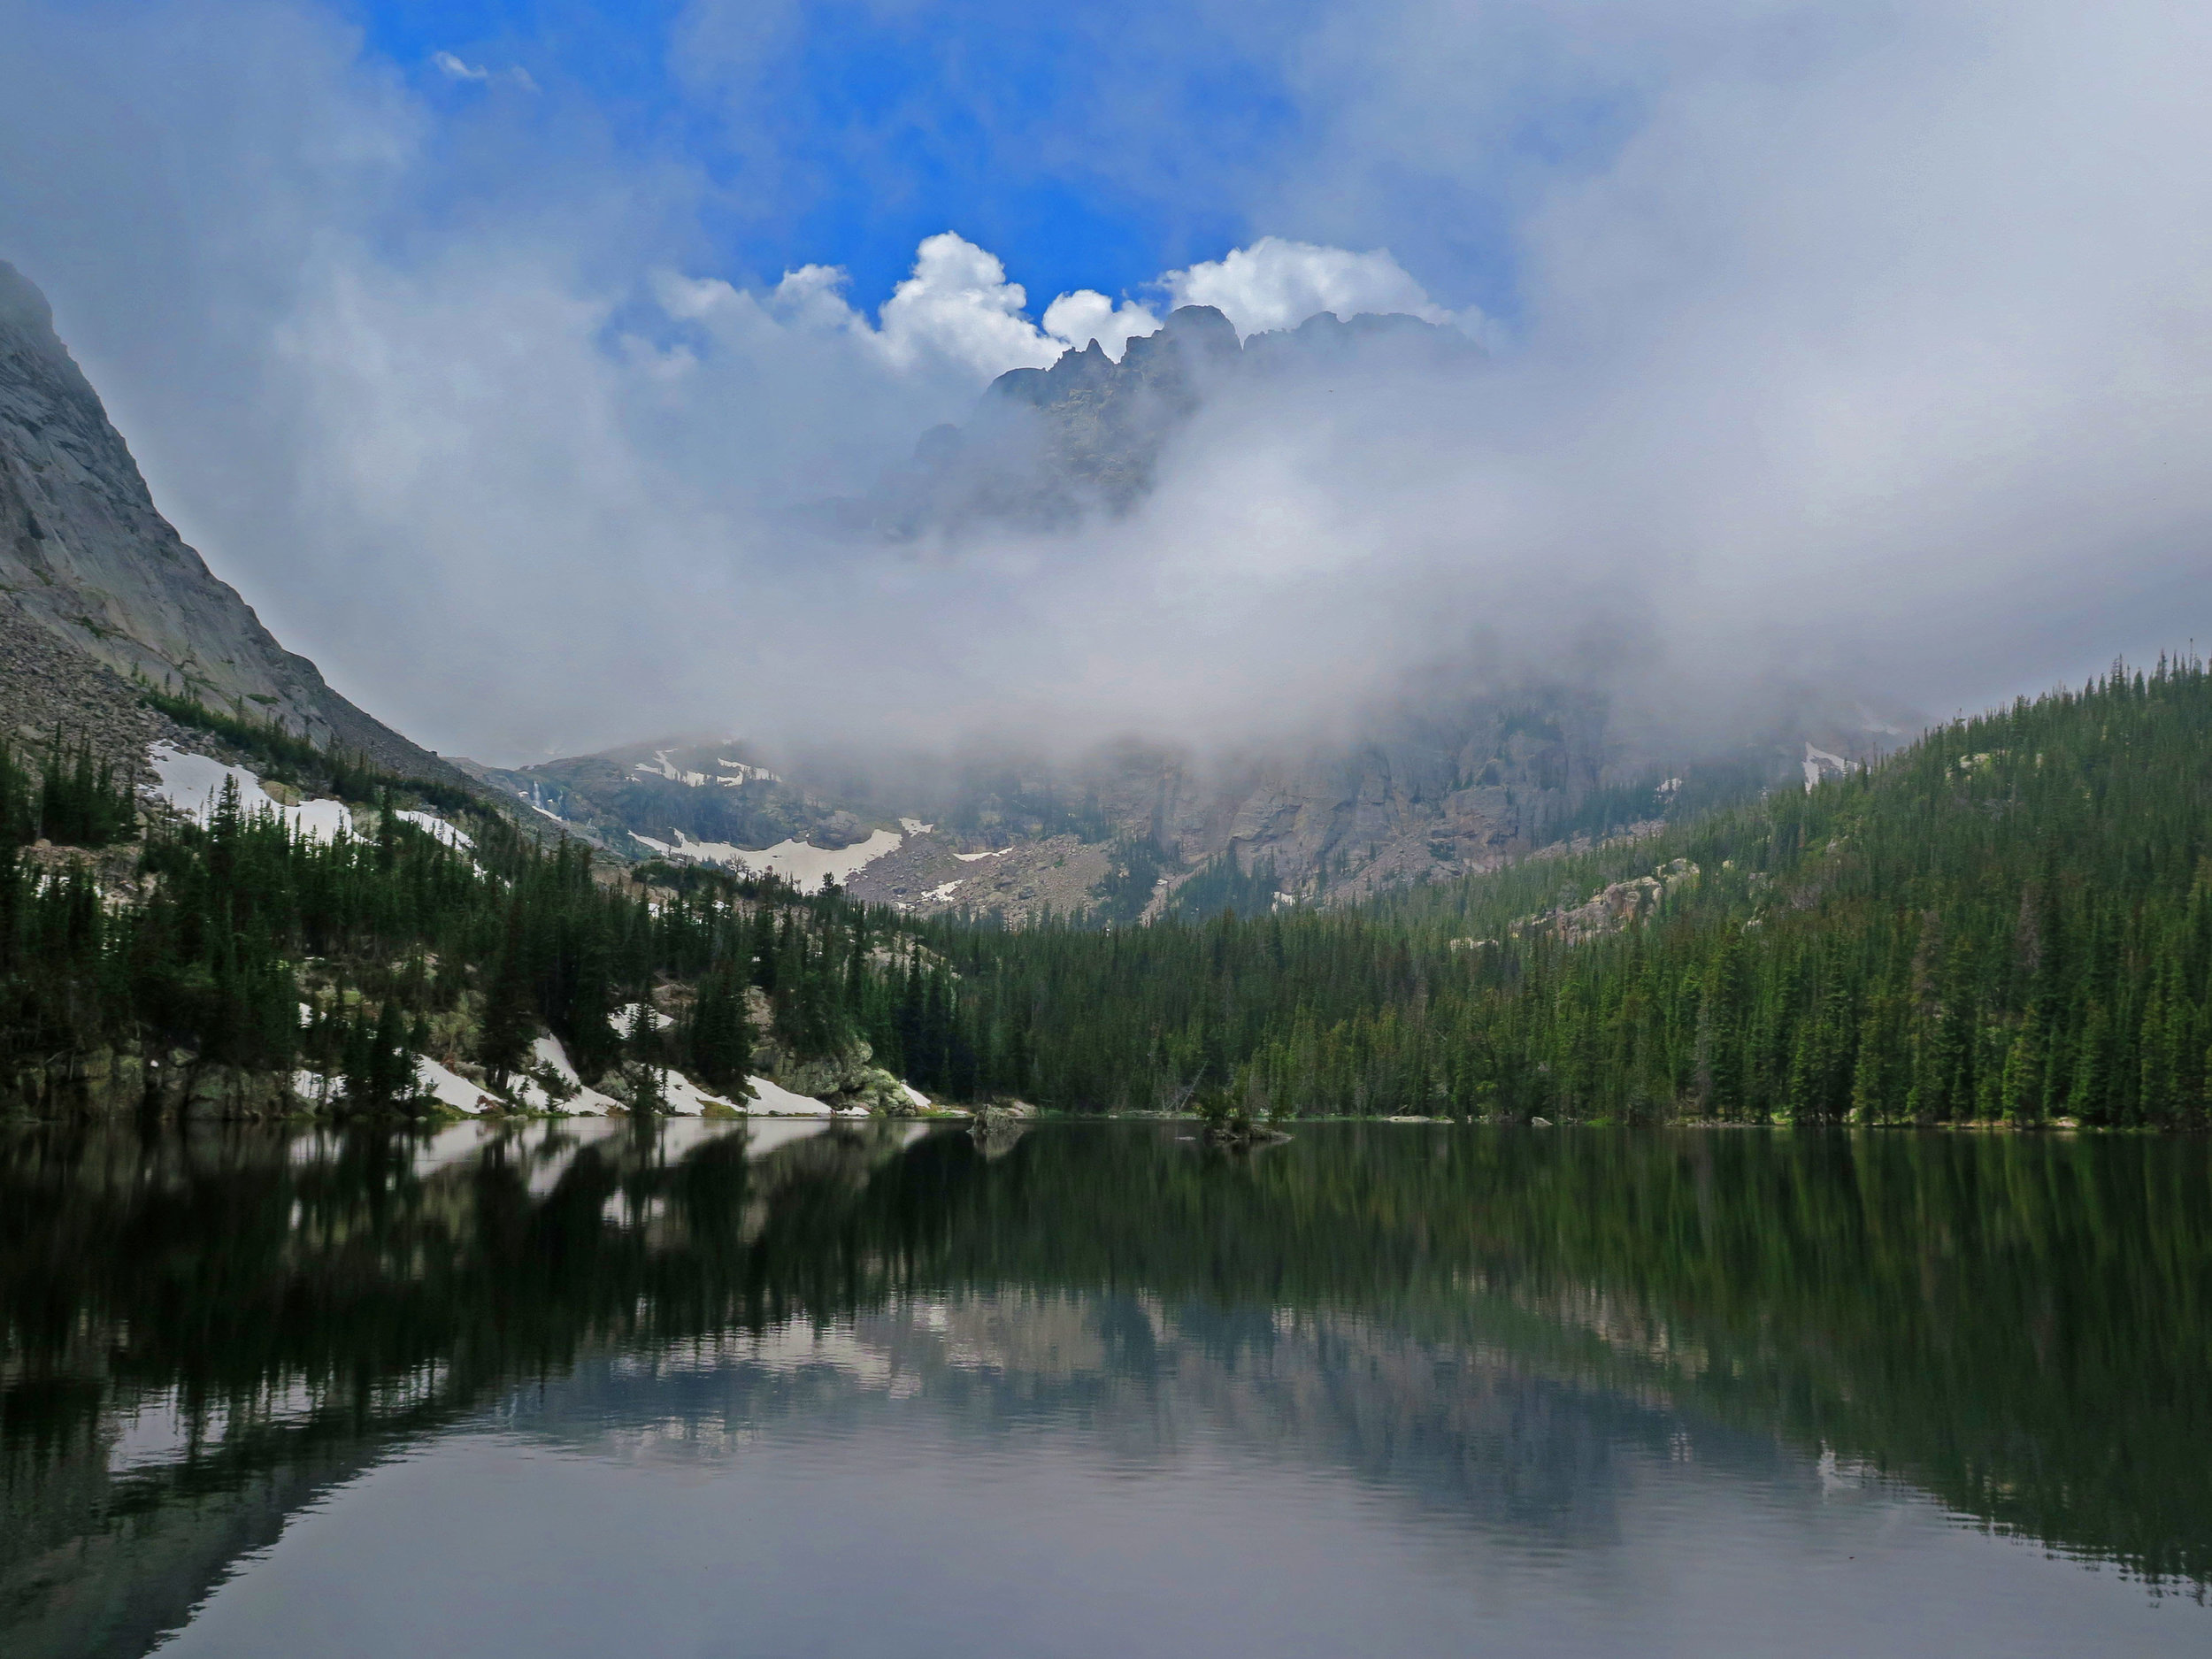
{"x":1076,"y":319}
{"x":957,"y":314}
{"x":454,"y":69}
{"x":958,"y":305}
{"x":1890,"y":346}
{"x":954,"y":315}
{"x":1277,"y":284}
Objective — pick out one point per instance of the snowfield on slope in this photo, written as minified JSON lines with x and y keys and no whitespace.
{"x":800,"y":862}
{"x":193,"y":784}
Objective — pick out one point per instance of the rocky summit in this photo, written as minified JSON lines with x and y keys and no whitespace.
{"x":1047,"y":446}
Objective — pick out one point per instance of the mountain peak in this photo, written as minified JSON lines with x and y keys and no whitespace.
{"x":26,"y":326}
{"x":22,"y":306}
{"x":1047,"y":445}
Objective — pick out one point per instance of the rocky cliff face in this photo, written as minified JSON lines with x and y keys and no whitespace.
{"x":673,"y":791}
{"x":1048,"y":446}
{"x":1435,"y":800}
{"x":1136,"y":831}
{"x":87,"y":559}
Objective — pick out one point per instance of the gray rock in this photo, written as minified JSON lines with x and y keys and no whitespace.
{"x":1048,"y":446}
{"x":86,"y":558}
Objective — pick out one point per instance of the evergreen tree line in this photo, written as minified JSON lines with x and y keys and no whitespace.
{"x":282,"y":755}
{"x":66,"y":798}
{"x":2010,"y":920}
{"x":252,"y":946}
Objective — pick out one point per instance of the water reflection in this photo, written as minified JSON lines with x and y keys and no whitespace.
{"x":1560,"y":1347}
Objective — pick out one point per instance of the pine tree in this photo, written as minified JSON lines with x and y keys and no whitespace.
{"x":720,"y":1040}
{"x":510,"y":1006}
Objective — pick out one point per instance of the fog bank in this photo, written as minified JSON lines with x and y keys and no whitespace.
{"x":1866,"y":349}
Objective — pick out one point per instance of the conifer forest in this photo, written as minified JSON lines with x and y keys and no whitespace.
{"x":2006,"y":921}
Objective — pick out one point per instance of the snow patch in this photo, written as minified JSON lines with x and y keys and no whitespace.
{"x":942,"y":894}
{"x":969,"y":859}
{"x":661,"y":766}
{"x":626,"y":1017}
{"x":449,"y":1087}
{"x":738,"y":773}
{"x":797,"y":862}
{"x":547,"y":1052}
{"x":449,"y":835}
{"x":686,"y":1099}
{"x":732,"y":774}
{"x":914,"y":826}
{"x":773,"y":1100}
{"x":1819,"y":763}
{"x":193,"y":784}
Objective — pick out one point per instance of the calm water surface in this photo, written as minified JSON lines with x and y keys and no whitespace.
{"x":593,"y":1388}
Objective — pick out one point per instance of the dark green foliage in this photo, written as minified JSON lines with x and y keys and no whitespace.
{"x":1129,"y":884}
{"x":243,"y":917}
{"x":719,"y":1041}
{"x":510,"y":1007}
{"x":2011,"y":920}
{"x":1221,"y":883}
{"x":69,"y":799}
{"x":375,"y":1061}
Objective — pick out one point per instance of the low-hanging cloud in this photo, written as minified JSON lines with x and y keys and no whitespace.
{"x":1277,"y":284}
{"x":1867,"y":345}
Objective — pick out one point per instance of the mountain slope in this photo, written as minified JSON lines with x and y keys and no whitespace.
{"x":644,"y":798}
{"x":87,"y":559}
{"x":2010,"y":920}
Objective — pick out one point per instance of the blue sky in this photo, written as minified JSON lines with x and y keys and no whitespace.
{"x":1087,"y":148}
{"x":1862,"y":338}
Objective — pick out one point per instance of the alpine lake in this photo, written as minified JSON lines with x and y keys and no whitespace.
{"x":790,"y":1388}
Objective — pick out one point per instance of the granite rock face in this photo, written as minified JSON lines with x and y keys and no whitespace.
{"x":87,"y":557}
{"x":1047,"y":446}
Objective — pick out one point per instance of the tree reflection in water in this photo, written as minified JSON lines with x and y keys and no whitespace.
{"x":206,"y":1328}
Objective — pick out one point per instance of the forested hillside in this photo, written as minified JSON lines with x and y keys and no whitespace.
{"x":200,"y":966}
{"x":2010,"y":920}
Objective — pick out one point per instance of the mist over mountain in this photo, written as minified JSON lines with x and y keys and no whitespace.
{"x":1088,"y":433}
{"x":1871,"y":362}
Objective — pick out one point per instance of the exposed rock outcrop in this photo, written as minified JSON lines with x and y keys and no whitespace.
{"x":1614,"y":907}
